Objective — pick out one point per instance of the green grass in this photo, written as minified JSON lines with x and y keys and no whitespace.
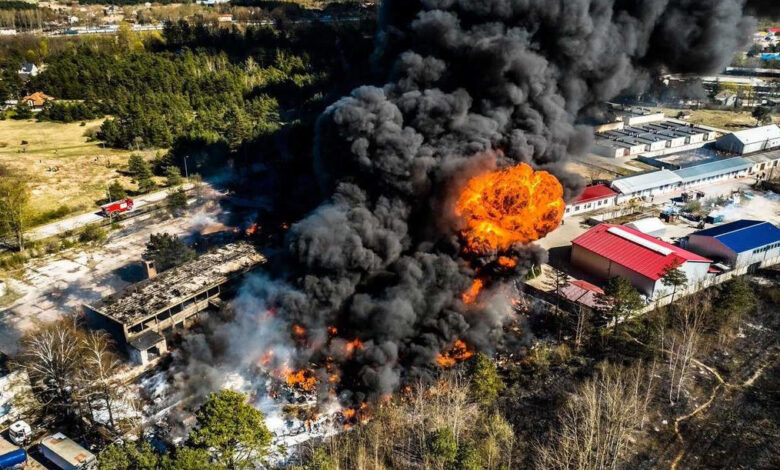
{"x":67,"y":173}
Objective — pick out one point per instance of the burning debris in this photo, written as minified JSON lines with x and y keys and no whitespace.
{"x":439,"y":181}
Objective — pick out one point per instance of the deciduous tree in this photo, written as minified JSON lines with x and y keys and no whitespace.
{"x":14,"y":199}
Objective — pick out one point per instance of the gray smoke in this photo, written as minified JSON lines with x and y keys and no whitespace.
{"x":473,"y":84}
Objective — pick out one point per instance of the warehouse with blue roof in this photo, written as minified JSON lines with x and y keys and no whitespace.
{"x":739,"y":244}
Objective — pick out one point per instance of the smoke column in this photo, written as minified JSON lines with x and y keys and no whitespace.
{"x":473,"y":85}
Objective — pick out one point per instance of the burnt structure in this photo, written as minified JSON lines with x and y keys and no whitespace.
{"x":140,"y":317}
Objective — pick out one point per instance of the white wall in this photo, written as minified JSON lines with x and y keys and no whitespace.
{"x":575,"y":209}
{"x":753,"y":256}
{"x":694,"y":272}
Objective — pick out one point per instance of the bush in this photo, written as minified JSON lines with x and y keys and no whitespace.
{"x":92,"y":233}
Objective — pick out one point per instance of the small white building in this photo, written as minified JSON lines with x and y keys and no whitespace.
{"x":652,"y":226}
{"x":751,"y":140}
{"x":592,"y":198}
{"x":739,"y":244}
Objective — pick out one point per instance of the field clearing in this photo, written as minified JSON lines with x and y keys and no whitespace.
{"x":729,"y":120}
{"x":64,"y":169}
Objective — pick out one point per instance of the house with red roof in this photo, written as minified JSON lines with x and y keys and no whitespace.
{"x":593,"y":197}
{"x":608,"y":251}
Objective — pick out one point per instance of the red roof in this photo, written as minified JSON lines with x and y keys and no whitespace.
{"x":588,"y":286}
{"x":594,"y":193}
{"x":633,"y":249}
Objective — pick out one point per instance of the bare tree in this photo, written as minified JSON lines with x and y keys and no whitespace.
{"x":582,"y":315}
{"x":100,"y":365}
{"x":684,"y":343}
{"x":52,"y":357}
{"x":596,"y":424}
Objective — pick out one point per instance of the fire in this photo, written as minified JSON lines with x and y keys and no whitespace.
{"x":470,"y":296}
{"x":506,"y":262}
{"x":266,"y":358}
{"x":303,"y":379}
{"x":298,"y":331}
{"x":354,"y":345}
{"x":508,"y":206}
{"x":252,"y":229}
{"x":458,"y":352}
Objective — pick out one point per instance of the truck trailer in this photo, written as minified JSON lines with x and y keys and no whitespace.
{"x":65,"y":453}
{"x":12,"y":457}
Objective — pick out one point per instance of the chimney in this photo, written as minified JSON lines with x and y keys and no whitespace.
{"x":151,"y":269}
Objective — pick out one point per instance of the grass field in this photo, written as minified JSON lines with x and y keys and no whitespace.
{"x":67,"y":174}
{"x":728,"y":120}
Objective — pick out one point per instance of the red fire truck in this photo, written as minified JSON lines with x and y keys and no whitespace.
{"x":117,"y":207}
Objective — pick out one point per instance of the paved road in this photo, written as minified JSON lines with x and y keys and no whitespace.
{"x":78,"y":221}
{"x":57,"y":285}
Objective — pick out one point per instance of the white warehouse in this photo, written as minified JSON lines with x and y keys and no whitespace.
{"x":751,"y":140}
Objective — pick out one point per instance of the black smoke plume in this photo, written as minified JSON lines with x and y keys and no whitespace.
{"x":471,"y":85}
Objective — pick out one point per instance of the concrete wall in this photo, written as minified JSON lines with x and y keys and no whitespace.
{"x":636,"y":120}
{"x":97,"y":321}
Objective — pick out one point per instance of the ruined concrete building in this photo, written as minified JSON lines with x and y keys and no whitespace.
{"x":140,"y":317}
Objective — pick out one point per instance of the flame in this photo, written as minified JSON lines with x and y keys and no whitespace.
{"x":458,"y":352}
{"x":470,"y":296}
{"x":354,"y":345}
{"x":298,"y":331}
{"x":252,"y":229}
{"x":506,"y":262}
{"x":508,"y":206}
{"x":266,"y":358}
{"x":303,"y":379}
{"x":333,"y":331}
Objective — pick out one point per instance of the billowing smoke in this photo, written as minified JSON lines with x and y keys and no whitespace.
{"x":473,"y":85}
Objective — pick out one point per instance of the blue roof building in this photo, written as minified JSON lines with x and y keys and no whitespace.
{"x":741,"y":243}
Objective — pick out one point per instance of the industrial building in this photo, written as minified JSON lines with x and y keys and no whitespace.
{"x":140,"y":317}
{"x":659,"y":137}
{"x":646,"y":184}
{"x":664,"y":181}
{"x":608,"y":251}
{"x":593,"y":197}
{"x":738,"y":244}
{"x":753,"y":140}
{"x":713,"y":171}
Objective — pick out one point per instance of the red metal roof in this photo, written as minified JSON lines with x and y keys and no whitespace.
{"x":588,"y":286}
{"x":594,"y":193}
{"x":632,"y":254}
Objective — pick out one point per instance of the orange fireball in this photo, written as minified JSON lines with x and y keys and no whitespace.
{"x":508,"y":206}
